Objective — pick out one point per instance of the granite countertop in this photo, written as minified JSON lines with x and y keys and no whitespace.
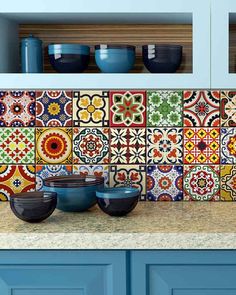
{"x":152,"y":225}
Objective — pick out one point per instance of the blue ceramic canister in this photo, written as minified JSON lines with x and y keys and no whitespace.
{"x":31,"y":55}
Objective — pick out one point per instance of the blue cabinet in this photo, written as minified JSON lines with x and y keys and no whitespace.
{"x":183,"y":273}
{"x":62,"y":273}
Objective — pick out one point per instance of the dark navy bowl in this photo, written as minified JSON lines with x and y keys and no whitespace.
{"x":117,"y":201}
{"x":162,"y":58}
{"x":33,"y":206}
{"x":69,"y":58}
{"x":115,"y":58}
{"x":75,"y":193}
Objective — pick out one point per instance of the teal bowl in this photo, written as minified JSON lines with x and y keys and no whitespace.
{"x":75,"y":193}
{"x":117,"y":201}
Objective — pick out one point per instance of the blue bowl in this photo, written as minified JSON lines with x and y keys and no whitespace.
{"x":75,"y":193}
{"x":117,"y":201}
{"x":69,"y":58}
{"x":115,"y":58}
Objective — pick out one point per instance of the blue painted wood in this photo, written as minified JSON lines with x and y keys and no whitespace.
{"x":183,"y":273}
{"x":62,"y":273}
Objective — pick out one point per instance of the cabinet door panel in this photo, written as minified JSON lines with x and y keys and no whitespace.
{"x":48,"y":292}
{"x":204,"y":292}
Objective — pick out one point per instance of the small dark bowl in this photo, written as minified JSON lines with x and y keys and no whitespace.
{"x":118,"y":201}
{"x":162,"y":58}
{"x":69,"y":58}
{"x":33,"y":206}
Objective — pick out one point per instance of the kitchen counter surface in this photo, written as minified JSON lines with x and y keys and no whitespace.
{"x":160,"y":225}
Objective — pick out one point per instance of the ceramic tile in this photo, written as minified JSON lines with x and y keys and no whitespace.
{"x":54,"y":108}
{"x":129,"y":175}
{"x":165,"y":145}
{"x":201,"y":145}
{"x":228,"y":183}
{"x":91,"y":145}
{"x":17,"y":145}
{"x":128,"y":145}
{"x":54,"y":146}
{"x":16,"y":179}
{"x":228,"y":145}
{"x":17,"y":108}
{"x":164,"y":108}
{"x":45,"y":171}
{"x":91,"y":109}
{"x":228,"y":108}
{"x":202,"y":108}
{"x":127,"y":108}
{"x":97,"y":170}
{"x":165,"y":183}
{"x":201,"y":183}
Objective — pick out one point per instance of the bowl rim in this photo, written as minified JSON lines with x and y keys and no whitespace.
{"x":34,"y":196}
{"x":75,"y":180}
{"x":122,"y":192}
{"x":114,"y":46}
{"x":162,"y":46}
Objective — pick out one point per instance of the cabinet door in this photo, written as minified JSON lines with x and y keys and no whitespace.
{"x":183,"y":272}
{"x":62,"y":273}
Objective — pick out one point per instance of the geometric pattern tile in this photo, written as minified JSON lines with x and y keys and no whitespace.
{"x":201,"y":183}
{"x":45,"y":171}
{"x":130,"y":176}
{"x":17,"y":108}
{"x":128,"y":108}
{"x":17,"y":145}
{"x":16,"y":179}
{"x":96,"y":170}
{"x":228,"y":183}
{"x":54,"y":108}
{"x":164,"y":108}
{"x":201,"y":145}
{"x":202,"y":108}
{"x":228,"y":145}
{"x":228,"y":108}
{"x":165,"y":183}
{"x":90,"y":145}
{"x":91,"y":109}
{"x":128,"y":146}
{"x":54,"y":146}
{"x":165,"y":145}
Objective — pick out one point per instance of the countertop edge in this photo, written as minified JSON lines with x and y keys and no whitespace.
{"x":111,"y":241}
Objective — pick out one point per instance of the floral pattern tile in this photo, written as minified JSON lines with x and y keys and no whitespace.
{"x":228,"y":108}
{"x":165,"y":183}
{"x":54,"y":108}
{"x":164,"y":108}
{"x":129,"y":175}
{"x":228,"y":183}
{"x":201,"y":183}
{"x":127,"y":108}
{"x":17,"y":145}
{"x":91,"y":109}
{"x":16,"y":179}
{"x":228,"y":145}
{"x":201,"y":145}
{"x":97,"y":170}
{"x":91,"y":145}
{"x":202,"y":108}
{"x":17,"y":108}
{"x":165,"y":145}
{"x":128,"y":145}
{"x":54,"y":146}
{"x":45,"y":171}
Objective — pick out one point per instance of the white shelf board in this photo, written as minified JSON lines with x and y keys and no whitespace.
{"x":102,"y":81}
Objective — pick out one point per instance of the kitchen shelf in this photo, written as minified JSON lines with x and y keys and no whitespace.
{"x":182,"y":22}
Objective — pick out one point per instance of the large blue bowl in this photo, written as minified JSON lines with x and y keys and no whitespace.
{"x":69,"y":58}
{"x":75,"y":193}
{"x":115,"y":58}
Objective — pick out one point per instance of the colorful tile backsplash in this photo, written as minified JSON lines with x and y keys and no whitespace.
{"x":172,"y":145}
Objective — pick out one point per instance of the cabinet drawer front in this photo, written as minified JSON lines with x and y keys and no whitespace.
{"x":48,"y":292}
{"x":183,"y":273}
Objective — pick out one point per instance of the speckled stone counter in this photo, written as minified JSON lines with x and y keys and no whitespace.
{"x":160,"y":225}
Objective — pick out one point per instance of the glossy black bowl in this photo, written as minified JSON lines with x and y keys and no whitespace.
{"x":118,"y":201}
{"x":33,"y":206}
{"x":162,"y":58}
